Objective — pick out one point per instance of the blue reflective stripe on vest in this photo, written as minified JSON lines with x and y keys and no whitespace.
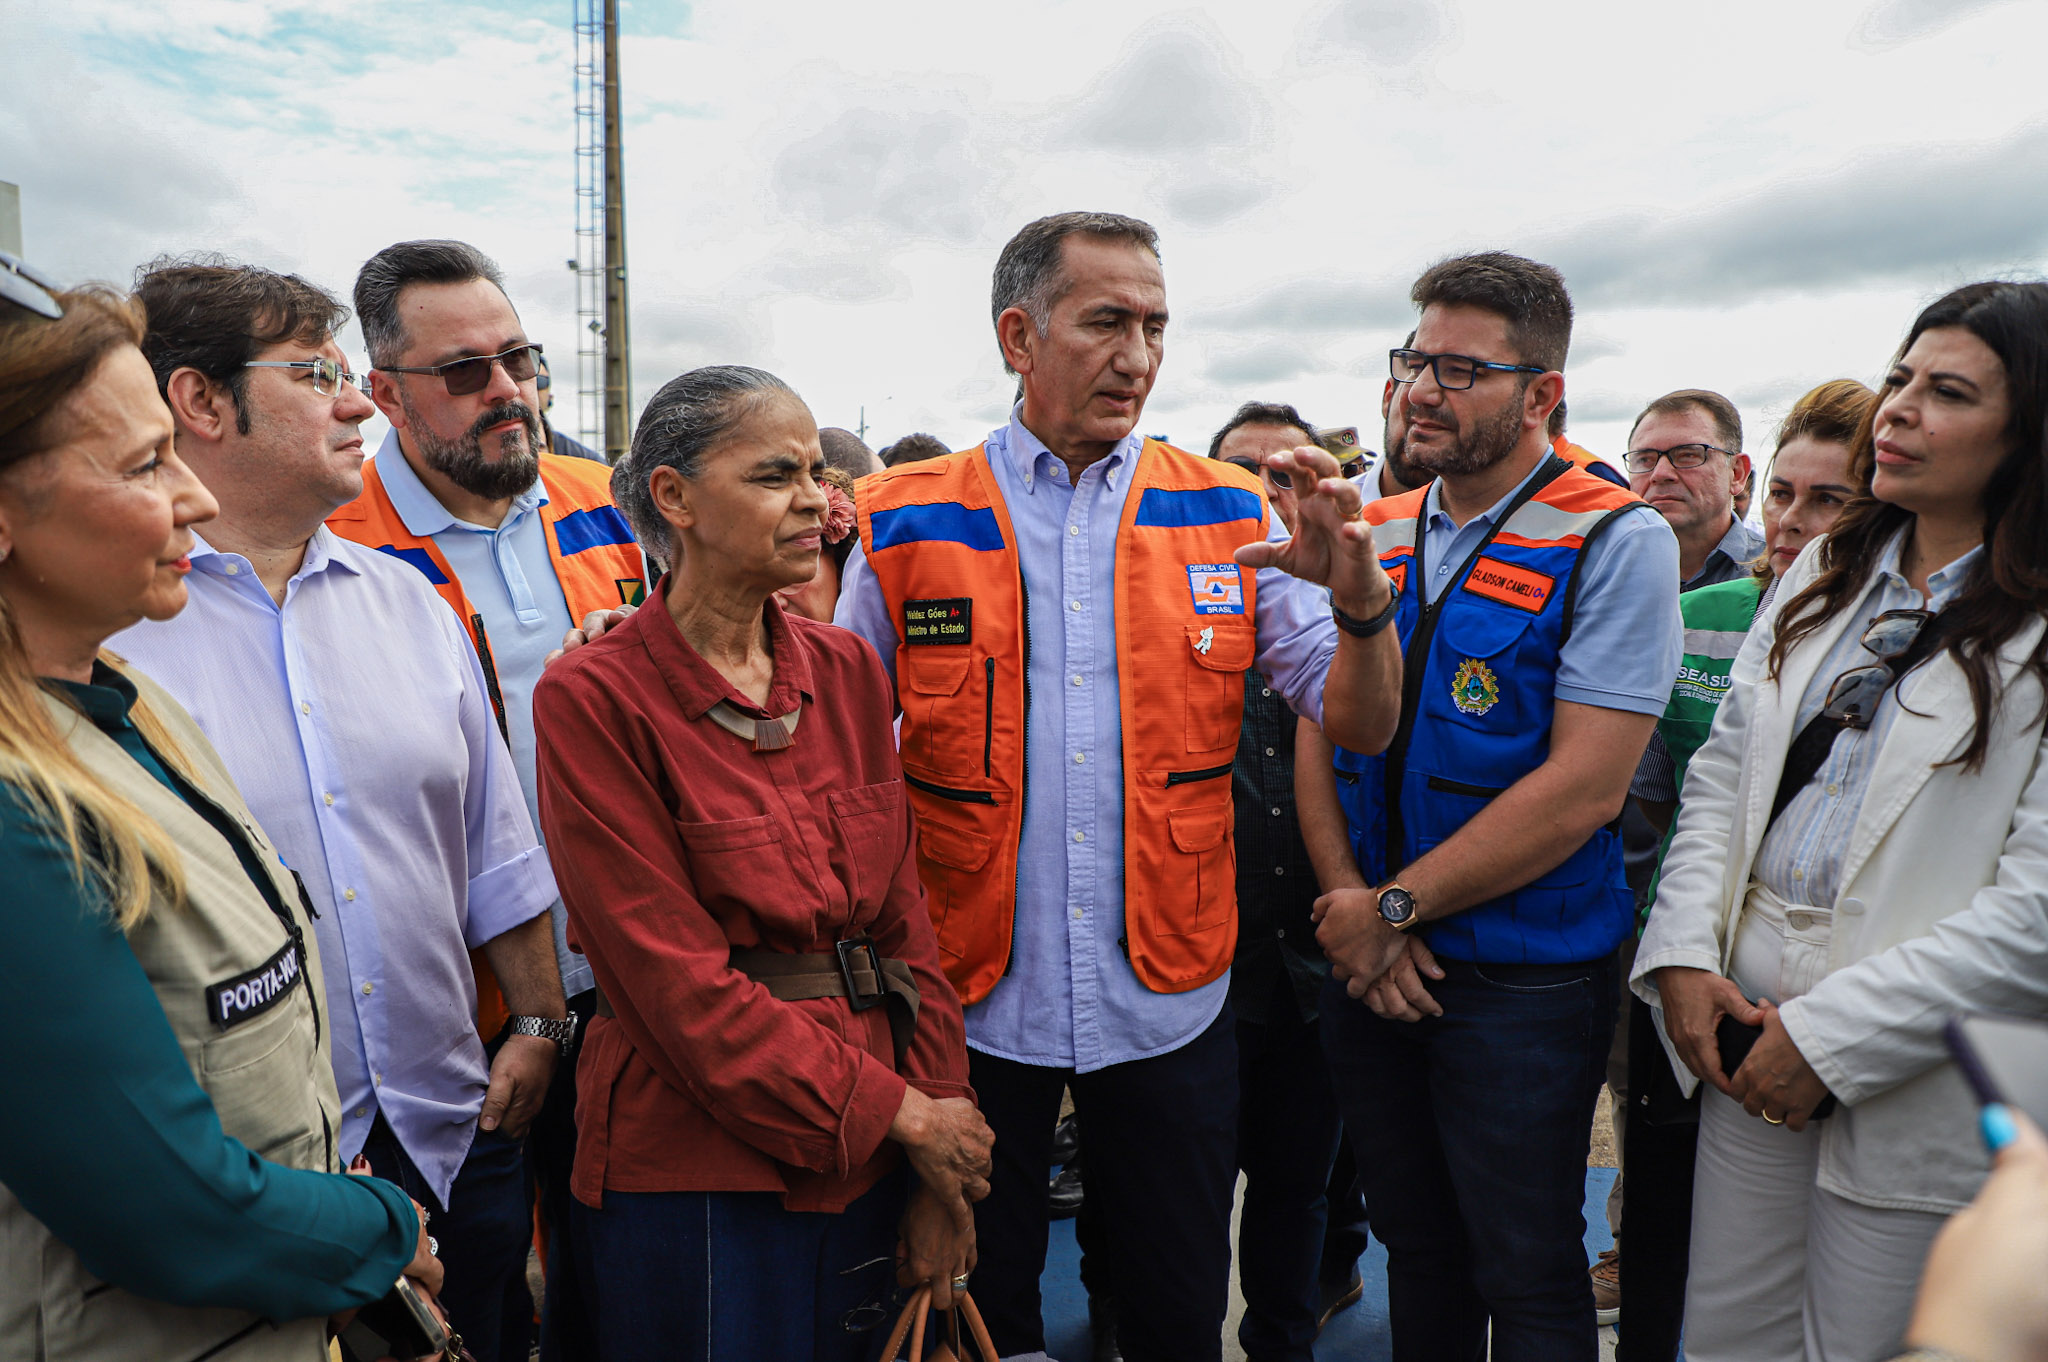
{"x":419,"y":559}
{"x":591,"y":529}
{"x":1169,"y":509}
{"x":947,"y":520}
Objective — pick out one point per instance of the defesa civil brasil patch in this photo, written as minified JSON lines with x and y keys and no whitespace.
{"x":1217,"y":588}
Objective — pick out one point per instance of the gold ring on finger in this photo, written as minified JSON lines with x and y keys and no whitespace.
{"x":1770,"y":1120}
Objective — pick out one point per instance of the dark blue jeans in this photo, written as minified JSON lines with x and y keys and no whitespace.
{"x":1470,"y":1131}
{"x":483,"y":1233}
{"x":733,"y":1277}
{"x":1287,"y":1133}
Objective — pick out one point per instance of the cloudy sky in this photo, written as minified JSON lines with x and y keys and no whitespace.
{"x":1750,"y":195}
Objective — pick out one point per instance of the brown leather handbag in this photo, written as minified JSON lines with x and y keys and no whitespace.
{"x":946,"y":1346}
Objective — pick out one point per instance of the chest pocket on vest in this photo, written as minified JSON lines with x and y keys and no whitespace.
{"x":1479,"y":654}
{"x":1215,"y":683}
{"x":948,"y":720}
{"x":253,"y":1072}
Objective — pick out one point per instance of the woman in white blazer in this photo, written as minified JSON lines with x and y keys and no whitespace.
{"x":1906,"y":880}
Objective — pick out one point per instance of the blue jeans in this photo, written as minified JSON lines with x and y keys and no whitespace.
{"x":733,"y":1277}
{"x":1470,"y":1131}
{"x":483,"y":1233}
{"x":1287,"y":1133}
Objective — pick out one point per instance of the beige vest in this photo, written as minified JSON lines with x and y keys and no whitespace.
{"x":267,"y":1071}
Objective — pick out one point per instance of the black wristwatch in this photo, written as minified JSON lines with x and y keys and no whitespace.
{"x":560,"y":1030}
{"x":1397,"y":908}
{"x":1359,"y":628}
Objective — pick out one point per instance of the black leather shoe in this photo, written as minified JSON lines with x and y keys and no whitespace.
{"x":1066,"y":1141}
{"x":1333,"y":1296}
{"x":1065,"y":1194}
{"x":1102,"y":1327}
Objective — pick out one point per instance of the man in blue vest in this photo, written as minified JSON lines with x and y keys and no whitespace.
{"x":1472,"y":1000}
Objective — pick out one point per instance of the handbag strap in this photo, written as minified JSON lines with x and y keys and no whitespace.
{"x":911,"y":1324}
{"x":1809,"y":751}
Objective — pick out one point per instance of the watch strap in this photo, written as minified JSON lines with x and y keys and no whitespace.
{"x":560,"y":1030}
{"x":1359,"y":628}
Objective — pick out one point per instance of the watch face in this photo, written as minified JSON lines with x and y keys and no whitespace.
{"x":1397,"y":906}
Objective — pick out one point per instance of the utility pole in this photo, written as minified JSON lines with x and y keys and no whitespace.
{"x":618,"y":367}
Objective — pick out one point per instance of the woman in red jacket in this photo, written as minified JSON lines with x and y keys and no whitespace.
{"x":725,"y":813}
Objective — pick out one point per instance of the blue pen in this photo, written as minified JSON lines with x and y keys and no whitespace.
{"x":1996,"y":1124}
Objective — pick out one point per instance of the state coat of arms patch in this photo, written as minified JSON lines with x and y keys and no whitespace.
{"x":1474,"y":690}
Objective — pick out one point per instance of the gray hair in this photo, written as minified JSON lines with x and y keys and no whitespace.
{"x":1029,"y":273}
{"x":386,"y":274}
{"x":683,"y":422}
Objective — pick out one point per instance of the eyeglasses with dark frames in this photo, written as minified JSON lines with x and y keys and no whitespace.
{"x":473,"y":375}
{"x":1853,"y":698}
{"x":1641,"y":461}
{"x":883,"y":1303}
{"x":1454,"y":373}
{"x":328,"y":376}
{"x":28,"y":287}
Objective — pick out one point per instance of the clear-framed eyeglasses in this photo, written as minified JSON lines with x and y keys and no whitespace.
{"x":328,"y":375}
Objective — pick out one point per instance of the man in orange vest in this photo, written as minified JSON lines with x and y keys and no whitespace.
{"x":520,"y":544}
{"x":1068,"y":612}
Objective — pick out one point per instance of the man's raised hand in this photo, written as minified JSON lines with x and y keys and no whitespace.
{"x":1332,"y":545}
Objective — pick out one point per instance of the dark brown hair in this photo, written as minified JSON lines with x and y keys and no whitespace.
{"x":1727,"y":421}
{"x":212,"y":315}
{"x":1263,"y":414}
{"x":2009,"y":589}
{"x":1531,"y":297}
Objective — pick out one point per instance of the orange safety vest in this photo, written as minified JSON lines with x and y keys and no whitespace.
{"x":938,"y":538}
{"x":596,"y":559}
{"x":1588,"y":460}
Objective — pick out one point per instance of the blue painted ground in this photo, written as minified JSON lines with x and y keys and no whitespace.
{"x":1357,"y":1335}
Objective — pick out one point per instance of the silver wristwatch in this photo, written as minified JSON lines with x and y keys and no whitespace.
{"x":560,"y":1030}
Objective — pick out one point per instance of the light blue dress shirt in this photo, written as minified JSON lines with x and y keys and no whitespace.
{"x":1627,"y":635}
{"x":355,"y":722}
{"x":510,"y":579}
{"x":1070,"y":998}
{"x":1800,"y":859}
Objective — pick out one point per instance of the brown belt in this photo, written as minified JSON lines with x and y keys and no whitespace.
{"x":848,"y":972}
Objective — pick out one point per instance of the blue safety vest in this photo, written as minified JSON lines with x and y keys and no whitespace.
{"x":1477,"y":698}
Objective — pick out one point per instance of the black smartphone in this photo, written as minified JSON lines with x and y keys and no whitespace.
{"x":2004,"y":1059}
{"x":399,"y":1325}
{"x":1736,"y":1040}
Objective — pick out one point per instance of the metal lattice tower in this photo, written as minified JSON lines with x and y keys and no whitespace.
{"x":589,"y":262}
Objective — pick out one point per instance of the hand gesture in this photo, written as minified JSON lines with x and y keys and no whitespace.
{"x":1694,"y":1002}
{"x":1332,"y":546}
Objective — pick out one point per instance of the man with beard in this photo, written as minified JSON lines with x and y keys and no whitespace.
{"x":1393,"y":473}
{"x":1473,"y":978}
{"x":521,"y":545}
{"x":356,"y":721}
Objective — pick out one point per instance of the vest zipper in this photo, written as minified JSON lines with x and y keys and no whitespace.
{"x":988,"y":719}
{"x":950,"y":792}
{"x":1459,"y":787}
{"x":1190,"y":777}
{"x":1024,"y":746}
{"x":491,"y":687}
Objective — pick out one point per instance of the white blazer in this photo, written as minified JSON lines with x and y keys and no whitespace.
{"x":1943,"y":904}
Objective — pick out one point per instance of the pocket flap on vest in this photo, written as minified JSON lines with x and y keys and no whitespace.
{"x":1481,"y":631}
{"x":931,"y":675}
{"x":1199,"y":829}
{"x":1223,"y":647}
{"x":955,"y":847}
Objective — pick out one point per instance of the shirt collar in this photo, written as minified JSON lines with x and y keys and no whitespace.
{"x":105,"y":700}
{"x":1032,"y":460}
{"x":697,"y":685}
{"x":322,"y":553}
{"x":1432,"y":502}
{"x":1942,"y":584}
{"x":420,"y":509}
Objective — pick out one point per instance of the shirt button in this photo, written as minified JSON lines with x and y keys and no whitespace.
{"x":330,"y":798}
{"x":1265,"y":691}
{"x":305,"y":706}
{"x":1799,"y":874}
{"x":1076,"y":605}
{"x":362,"y":1112}
{"x":1282,"y":933}
{"x":1073,"y":529}
{"x":1276,"y":811}
{"x":368,"y":989}
{"x":1279,"y":870}
{"x":1442,"y":570}
{"x":1077,"y":678}
{"x":349,"y":894}
{"x":1833,"y":788}
{"x":1080,"y":757}
{"x":1080,"y":836}
{"x":377,"y":1079}
{"x":1269,"y":751}
{"x":233,"y":569}
{"x":1077,"y":915}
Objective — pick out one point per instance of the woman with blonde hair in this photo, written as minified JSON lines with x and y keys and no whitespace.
{"x":167,"y":1151}
{"x":1862,"y":852}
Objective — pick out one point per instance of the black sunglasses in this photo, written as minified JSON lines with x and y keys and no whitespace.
{"x":1853,"y":698}
{"x":27,"y":287}
{"x":473,"y":375}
